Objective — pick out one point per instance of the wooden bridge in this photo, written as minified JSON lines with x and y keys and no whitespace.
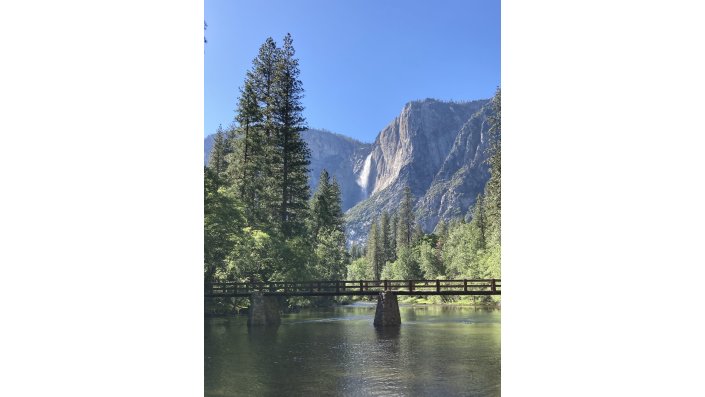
{"x":356,"y":287}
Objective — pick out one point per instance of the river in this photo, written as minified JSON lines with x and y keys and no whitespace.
{"x":437,"y":351}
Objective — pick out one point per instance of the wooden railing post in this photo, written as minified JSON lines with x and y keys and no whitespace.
{"x":494,"y":286}
{"x":360,"y":285}
{"x":465,"y":285}
{"x":411,"y":286}
{"x":386,"y":285}
{"x":438,"y":285}
{"x":337,"y":286}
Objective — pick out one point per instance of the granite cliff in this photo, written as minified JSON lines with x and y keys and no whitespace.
{"x":437,"y":148}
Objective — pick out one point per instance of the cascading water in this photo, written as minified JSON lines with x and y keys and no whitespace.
{"x":364,"y":179}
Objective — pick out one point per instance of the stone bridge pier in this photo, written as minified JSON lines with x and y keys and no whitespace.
{"x":264,"y":310}
{"x":387,"y":313}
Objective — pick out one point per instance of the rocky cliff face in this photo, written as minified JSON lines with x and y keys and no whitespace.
{"x":342,"y":157}
{"x":436,"y":148}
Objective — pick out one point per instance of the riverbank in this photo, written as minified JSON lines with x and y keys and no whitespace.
{"x":224,"y":307}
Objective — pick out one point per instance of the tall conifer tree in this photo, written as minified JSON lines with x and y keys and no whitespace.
{"x":249,"y":168}
{"x":321,"y":215}
{"x":216,"y":161}
{"x":374,"y":250}
{"x":291,"y":154}
{"x":385,"y":237}
{"x":405,"y":223}
{"x":336,"y":205}
{"x":393,"y":238}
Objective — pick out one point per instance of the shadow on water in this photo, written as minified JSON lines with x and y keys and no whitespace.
{"x":262,"y":334}
{"x":387,"y":333}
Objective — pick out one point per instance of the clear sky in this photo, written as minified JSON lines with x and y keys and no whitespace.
{"x":360,"y":60}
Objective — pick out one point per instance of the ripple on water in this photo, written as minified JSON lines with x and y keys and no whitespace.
{"x":339,"y":352}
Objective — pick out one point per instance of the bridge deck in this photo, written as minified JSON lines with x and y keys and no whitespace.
{"x":356,"y":287}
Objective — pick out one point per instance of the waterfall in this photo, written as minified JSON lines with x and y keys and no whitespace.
{"x":364,"y":178}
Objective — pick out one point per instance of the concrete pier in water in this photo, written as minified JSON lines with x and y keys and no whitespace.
{"x":387,"y":313}
{"x":264,"y":310}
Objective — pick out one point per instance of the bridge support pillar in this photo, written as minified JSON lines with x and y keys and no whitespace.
{"x":264,"y":310}
{"x":387,"y":313}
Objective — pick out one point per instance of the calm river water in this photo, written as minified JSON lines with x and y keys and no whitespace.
{"x":437,"y":351}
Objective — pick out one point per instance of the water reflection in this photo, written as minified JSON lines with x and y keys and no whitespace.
{"x":435,"y":351}
{"x":262,"y":334}
{"x":387,"y":333}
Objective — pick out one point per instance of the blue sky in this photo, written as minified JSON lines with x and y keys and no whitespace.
{"x":361,"y":61}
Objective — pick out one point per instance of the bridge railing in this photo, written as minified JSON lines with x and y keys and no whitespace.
{"x":353,"y":287}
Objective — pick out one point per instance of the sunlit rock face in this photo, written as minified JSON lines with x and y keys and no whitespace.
{"x":438,"y":148}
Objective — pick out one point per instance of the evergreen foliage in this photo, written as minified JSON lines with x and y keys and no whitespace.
{"x":459,"y":248}
{"x":290,"y":153}
{"x":493,"y":189}
{"x":223,"y":221}
{"x":260,"y":223}
{"x":375,"y":253}
{"x":217,"y":161}
{"x":385,"y":238}
{"x":328,"y":229}
{"x":405,"y":221}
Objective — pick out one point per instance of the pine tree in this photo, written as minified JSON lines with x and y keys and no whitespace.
{"x":249,"y":117}
{"x":250,"y":165}
{"x":327,"y":229}
{"x":331,"y":257}
{"x":355,"y":251}
{"x":336,"y":206}
{"x":393,"y":238}
{"x":321,"y":215}
{"x":326,"y":206}
{"x":217,"y":159}
{"x":405,"y":224}
{"x":479,"y":221}
{"x":385,"y":238}
{"x":291,"y":154}
{"x":417,"y":234}
{"x":374,"y":250}
{"x":263,"y":151}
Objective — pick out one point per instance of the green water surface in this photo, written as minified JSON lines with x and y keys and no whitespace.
{"x":437,"y":351}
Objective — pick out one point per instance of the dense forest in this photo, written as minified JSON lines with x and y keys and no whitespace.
{"x":263,"y":224}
